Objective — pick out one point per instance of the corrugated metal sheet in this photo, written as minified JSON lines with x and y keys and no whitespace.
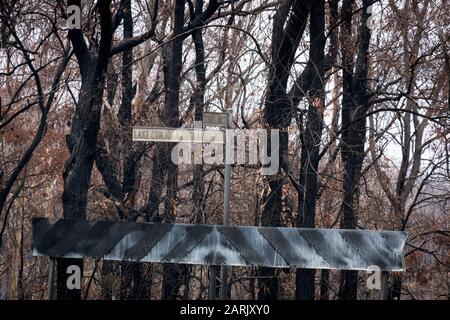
{"x":219,"y":245}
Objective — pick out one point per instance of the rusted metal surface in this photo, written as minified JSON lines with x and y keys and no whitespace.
{"x":220,"y":245}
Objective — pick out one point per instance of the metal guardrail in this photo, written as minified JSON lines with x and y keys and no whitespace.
{"x":220,"y":245}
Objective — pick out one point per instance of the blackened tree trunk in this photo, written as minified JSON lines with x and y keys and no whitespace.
{"x":355,"y":104}
{"x":172,"y":275}
{"x":305,"y":288}
{"x":136,"y":278}
{"x":82,"y":139}
{"x":135,"y":282}
{"x":198,"y":102}
{"x":125,"y":110}
{"x":175,"y":276}
{"x":288,"y":28}
{"x":325,"y":284}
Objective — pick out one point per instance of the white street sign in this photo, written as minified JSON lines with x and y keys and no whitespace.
{"x":177,"y":135}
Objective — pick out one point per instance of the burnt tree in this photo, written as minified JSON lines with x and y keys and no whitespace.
{"x":288,"y":26}
{"x":311,"y":138}
{"x":82,"y":140}
{"x":355,"y":105}
{"x":83,"y":135}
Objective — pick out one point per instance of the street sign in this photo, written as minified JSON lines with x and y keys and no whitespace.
{"x":174,"y":135}
{"x":220,"y":245}
{"x":215,"y":119}
{"x":177,"y":135}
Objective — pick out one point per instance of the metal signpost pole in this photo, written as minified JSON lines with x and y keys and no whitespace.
{"x":384,"y":294}
{"x":226,"y":197}
{"x":51,"y":276}
{"x":212,"y":289}
{"x":212,"y":283}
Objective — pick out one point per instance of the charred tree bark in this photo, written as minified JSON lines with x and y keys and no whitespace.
{"x":172,"y":275}
{"x":355,"y":104}
{"x":135,"y":283}
{"x":278,"y":115}
{"x":172,"y":55}
{"x":125,"y":110}
{"x":325,"y":285}
{"x":109,"y":274}
{"x":157,"y":182}
{"x":198,"y":101}
{"x":305,"y":287}
{"x":82,"y":139}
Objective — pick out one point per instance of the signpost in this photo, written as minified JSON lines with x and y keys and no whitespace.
{"x":174,"y":135}
{"x":226,"y":196}
{"x":215,"y":245}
